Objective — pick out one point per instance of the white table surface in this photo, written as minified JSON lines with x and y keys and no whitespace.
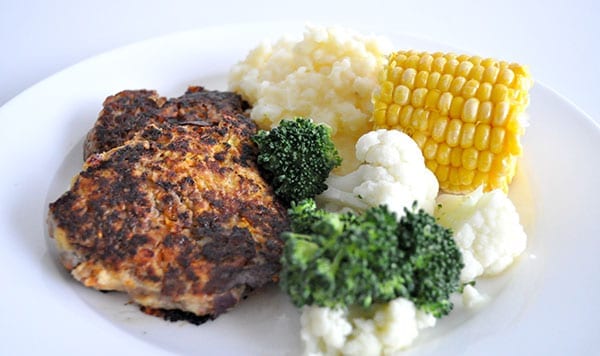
{"x":557,"y":39}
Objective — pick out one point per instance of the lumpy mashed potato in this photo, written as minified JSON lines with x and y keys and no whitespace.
{"x":329,"y":75}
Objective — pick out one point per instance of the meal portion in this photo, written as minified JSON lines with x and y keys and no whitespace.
{"x":176,"y":214}
{"x":370,"y":184}
{"x":438,"y":151}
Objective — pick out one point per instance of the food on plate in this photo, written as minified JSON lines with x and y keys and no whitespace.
{"x":392,"y":172}
{"x":347,"y":259}
{"x":486,"y":228}
{"x":407,"y":124}
{"x":297,"y":157}
{"x":327,"y":75}
{"x":186,"y":206}
{"x":383,"y":329}
{"x":129,"y":111}
{"x":473,"y":298}
{"x":464,"y":112}
{"x":178,"y":216}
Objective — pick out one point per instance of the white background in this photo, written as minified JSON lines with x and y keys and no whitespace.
{"x":557,"y":39}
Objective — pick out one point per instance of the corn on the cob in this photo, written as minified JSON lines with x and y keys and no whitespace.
{"x":464,"y":112}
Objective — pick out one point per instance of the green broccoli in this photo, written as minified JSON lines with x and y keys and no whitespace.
{"x":435,"y":259}
{"x":344,"y":259}
{"x":297,"y":156}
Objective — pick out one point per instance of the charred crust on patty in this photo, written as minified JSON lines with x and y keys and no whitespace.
{"x":175,"y":214}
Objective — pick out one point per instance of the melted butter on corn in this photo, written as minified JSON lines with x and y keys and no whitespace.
{"x":464,"y":112}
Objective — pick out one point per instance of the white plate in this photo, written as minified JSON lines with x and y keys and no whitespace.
{"x":547,"y":304}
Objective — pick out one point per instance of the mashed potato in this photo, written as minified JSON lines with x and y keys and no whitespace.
{"x":328,"y":75}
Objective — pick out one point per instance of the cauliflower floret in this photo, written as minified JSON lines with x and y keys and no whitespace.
{"x":392,"y":172}
{"x":486,"y":228}
{"x":384,"y":329}
{"x":472,"y":298}
{"x":324,"y":330}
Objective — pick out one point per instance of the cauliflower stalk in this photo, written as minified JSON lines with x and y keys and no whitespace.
{"x":383,"y":329}
{"x":486,"y":228}
{"x":392,"y":172}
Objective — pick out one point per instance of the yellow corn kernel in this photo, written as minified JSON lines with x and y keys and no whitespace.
{"x":444,"y":82}
{"x":467,"y":135}
{"x":497,"y":139}
{"x":420,"y":119}
{"x":425,"y":62}
{"x":395,"y":74}
{"x":421,"y":79}
{"x":408,"y":78}
{"x":441,"y":172}
{"x":401,"y":95}
{"x":463,"y":111}
{"x":456,"y":157}
{"x":477,"y":73}
{"x":451,"y":66}
{"x":453,"y":132}
{"x":470,"y":109}
{"x":484,"y":114}
{"x":430,"y":149}
{"x":484,"y":92}
{"x":392,"y":115}
{"x":465,"y":176}
{"x":457,"y":85}
{"x":386,"y":92}
{"x":490,"y":74}
{"x":438,"y":132}
{"x":438,"y":64}
{"x":432,"y":80}
{"x":481,"y":141}
{"x":506,"y":76}
{"x":420,"y":139}
{"x":500,"y":113}
{"x":432,"y":99}
{"x":464,"y":68}
{"x":470,"y":88}
{"x":417,"y":98}
{"x":443,"y":154}
{"x":499,"y":93}
{"x":379,"y":118}
{"x":412,"y":61}
{"x":469,"y":158}
{"x":456,"y":107}
{"x":453,"y":178}
{"x":445,"y":103}
{"x":405,"y":116}
{"x":484,"y":161}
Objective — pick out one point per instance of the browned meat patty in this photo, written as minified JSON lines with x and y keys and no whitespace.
{"x":129,"y":111}
{"x":178,"y":216}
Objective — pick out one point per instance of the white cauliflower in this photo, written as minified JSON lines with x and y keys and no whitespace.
{"x":392,"y":172}
{"x":385,"y":329}
{"x":486,"y":228}
{"x":472,"y":298}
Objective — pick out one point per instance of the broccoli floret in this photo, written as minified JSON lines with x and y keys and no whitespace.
{"x":297,"y":156}
{"x":435,"y":259}
{"x":333,"y":259}
{"x":344,"y":259}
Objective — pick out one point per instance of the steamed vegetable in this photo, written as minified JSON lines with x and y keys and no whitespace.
{"x":464,"y":112}
{"x":298,"y":156}
{"x":345,"y":259}
{"x":392,"y":172}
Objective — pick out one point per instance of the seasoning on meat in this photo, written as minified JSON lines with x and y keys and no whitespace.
{"x":175,"y":214}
